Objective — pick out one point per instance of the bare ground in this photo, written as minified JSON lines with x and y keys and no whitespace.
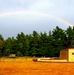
{"x":23,"y":66}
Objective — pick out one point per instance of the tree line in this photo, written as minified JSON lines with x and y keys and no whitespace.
{"x":38,"y":44}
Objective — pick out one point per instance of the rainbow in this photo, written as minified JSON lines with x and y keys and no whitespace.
{"x":35,"y":12}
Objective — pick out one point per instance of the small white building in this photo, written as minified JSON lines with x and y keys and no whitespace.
{"x":67,"y":54}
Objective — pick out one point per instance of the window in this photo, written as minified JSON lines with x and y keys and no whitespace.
{"x":72,"y":53}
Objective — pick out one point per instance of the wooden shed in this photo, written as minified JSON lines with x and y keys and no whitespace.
{"x":67,"y":54}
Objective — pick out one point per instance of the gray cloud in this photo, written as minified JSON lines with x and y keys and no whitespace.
{"x":57,"y":7}
{"x":13,"y":24}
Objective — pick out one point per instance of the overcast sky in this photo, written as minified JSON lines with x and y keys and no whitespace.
{"x":10,"y":25}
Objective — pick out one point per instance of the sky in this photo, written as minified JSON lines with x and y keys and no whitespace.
{"x":29,"y":15}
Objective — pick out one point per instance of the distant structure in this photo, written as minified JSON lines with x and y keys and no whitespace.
{"x":12,"y":55}
{"x":67,"y":54}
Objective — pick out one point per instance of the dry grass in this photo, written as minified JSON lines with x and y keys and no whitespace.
{"x":23,"y":66}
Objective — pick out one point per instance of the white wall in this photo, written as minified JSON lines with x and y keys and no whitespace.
{"x":71,"y":55}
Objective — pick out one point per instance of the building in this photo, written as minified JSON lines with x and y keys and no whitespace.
{"x":67,"y":54}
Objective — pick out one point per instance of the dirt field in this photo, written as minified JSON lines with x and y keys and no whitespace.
{"x":25,"y":66}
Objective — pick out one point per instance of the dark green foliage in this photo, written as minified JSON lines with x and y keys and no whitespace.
{"x":1,"y":45}
{"x":38,"y":44}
